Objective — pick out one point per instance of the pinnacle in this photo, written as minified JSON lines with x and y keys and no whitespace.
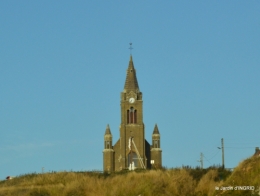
{"x":108,"y":132}
{"x":156,"y":130}
{"x":131,"y":80}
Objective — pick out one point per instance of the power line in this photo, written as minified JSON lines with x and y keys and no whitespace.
{"x":240,"y":147}
{"x":214,"y":155}
{"x":207,"y":160}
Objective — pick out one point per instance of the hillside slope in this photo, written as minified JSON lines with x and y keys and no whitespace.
{"x":244,"y":180}
{"x":177,"y":182}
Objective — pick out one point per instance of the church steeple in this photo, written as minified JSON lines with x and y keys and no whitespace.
{"x":108,"y":138}
{"x":156,"y":151}
{"x":108,"y":152}
{"x":156,"y":130}
{"x":156,"y":137}
{"x":108,"y":132}
{"x":131,"y":83}
{"x":129,"y":153}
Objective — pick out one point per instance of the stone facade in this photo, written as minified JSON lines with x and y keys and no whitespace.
{"x":132,"y":147}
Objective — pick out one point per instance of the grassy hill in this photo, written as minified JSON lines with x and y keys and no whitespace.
{"x":184,"y":181}
{"x":245,"y":176}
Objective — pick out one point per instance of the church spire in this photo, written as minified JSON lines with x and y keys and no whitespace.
{"x":156,"y":130}
{"x":108,"y":132}
{"x":131,"y":80}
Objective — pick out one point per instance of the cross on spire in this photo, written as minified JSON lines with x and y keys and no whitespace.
{"x":130,"y":48}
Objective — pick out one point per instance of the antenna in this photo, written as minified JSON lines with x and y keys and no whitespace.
{"x":130,"y":48}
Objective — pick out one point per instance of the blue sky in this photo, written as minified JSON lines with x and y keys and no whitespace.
{"x":63,"y":65}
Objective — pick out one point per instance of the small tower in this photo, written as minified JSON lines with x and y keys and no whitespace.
{"x":108,"y":152}
{"x":156,"y":151}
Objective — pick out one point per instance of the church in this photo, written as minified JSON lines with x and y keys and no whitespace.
{"x":132,"y":150}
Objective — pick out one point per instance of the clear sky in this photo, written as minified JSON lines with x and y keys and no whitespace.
{"x":63,"y":65}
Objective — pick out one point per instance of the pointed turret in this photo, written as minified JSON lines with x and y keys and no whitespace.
{"x":108,"y":138}
{"x":131,"y":83}
{"x":108,"y":152}
{"x":156,"y":151}
{"x":156,"y":137}
{"x":108,"y":132}
{"x":156,"y":130}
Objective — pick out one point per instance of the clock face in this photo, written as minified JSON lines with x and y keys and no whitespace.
{"x":132,"y":100}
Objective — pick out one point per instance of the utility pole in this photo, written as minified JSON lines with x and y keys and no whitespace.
{"x":222,"y":146}
{"x":201,"y":160}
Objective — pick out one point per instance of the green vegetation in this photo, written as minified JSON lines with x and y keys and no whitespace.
{"x":165,"y":182}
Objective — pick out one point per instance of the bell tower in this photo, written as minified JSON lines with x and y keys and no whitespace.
{"x":131,"y":99}
{"x":132,"y":126}
{"x":132,"y":150}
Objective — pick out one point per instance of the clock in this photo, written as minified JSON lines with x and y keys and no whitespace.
{"x":131,"y":100}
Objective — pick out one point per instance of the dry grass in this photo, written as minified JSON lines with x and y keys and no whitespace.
{"x":177,"y":182}
{"x":206,"y":185}
{"x":247,"y":173}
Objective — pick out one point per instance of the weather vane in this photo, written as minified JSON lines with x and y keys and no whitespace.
{"x":130,"y":48}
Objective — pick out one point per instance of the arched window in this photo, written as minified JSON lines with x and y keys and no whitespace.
{"x":132,"y":158}
{"x":131,"y":116}
{"x":156,"y":143}
{"x":107,"y":144}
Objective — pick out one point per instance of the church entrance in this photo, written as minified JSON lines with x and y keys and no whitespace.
{"x":132,"y":160}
